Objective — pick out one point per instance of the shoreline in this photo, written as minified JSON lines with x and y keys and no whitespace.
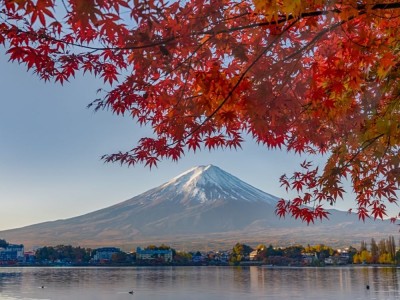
{"x":263,"y":266}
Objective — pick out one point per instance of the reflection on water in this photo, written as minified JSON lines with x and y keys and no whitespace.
{"x":196,"y":283}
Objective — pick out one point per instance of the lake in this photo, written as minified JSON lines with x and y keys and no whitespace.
{"x":211,"y":283}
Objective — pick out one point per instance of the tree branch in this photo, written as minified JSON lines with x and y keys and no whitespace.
{"x":361,"y":8}
{"x":209,"y":117}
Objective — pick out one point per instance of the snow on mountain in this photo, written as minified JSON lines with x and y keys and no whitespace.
{"x":209,"y":183}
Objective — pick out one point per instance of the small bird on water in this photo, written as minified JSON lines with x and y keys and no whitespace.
{"x":131,"y":292}
{"x":367,"y":287}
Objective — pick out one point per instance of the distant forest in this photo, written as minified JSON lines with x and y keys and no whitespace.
{"x":382,"y":252}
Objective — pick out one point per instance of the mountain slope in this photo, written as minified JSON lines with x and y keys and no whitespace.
{"x":203,"y":203}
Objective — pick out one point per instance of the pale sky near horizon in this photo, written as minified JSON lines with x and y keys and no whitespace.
{"x":51,"y":144}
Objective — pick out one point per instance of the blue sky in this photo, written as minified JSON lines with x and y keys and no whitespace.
{"x":51,"y":144}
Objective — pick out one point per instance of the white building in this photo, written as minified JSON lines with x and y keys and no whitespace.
{"x":12,"y":253}
{"x":143,"y":254}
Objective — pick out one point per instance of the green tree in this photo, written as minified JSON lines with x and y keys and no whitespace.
{"x":352,"y":251}
{"x":46,"y":253}
{"x":382,"y":247}
{"x":151,"y":247}
{"x":294,"y":252}
{"x":391,"y":247}
{"x":164,"y":247}
{"x":271,"y":251}
{"x":182,"y":257}
{"x":66,"y":253}
{"x":363,"y":246}
{"x":3,"y":243}
{"x":374,"y":251}
{"x":387,"y":252}
{"x":397,"y":256}
{"x":322,"y":251}
{"x":239,"y":252}
{"x":119,"y":257}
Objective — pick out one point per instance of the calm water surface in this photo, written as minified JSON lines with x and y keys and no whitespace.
{"x":209,"y":283}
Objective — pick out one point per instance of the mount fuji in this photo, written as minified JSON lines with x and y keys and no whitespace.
{"x":203,"y":207}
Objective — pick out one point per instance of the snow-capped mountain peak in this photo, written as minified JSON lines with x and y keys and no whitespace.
{"x":210,"y":183}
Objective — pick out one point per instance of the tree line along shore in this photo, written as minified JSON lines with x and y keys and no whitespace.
{"x":383,"y":252}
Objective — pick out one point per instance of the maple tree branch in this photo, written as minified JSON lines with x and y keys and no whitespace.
{"x":189,"y":58}
{"x":184,"y":85}
{"x":379,"y":6}
{"x":384,"y":153}
{"x":241,"y":77}
{"x":303,"y":15}
{"x":94,"y":49}
{"x":315,"y":39}
{"x":350,"y":39}
{"x":364,"y":146}
{"x":283,"y":19}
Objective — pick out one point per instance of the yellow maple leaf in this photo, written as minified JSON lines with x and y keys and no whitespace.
{"x":268,"y":8}
{"x":292,"y":7}
{"x":261,"y":6}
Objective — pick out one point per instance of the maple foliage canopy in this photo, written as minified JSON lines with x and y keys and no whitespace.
{"x":309,"y":76}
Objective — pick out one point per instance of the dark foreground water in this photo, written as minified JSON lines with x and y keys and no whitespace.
{"x":209,"y":283}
